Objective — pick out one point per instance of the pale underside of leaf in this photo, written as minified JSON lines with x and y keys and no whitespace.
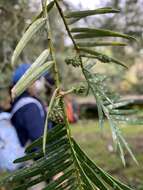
{"x":22,"y":85}
{"x":38,"y":62}
{"x":47,"y":117}
{"x":26,"y":38}
{"x":116,"y":134}
{"x":121,"y":142}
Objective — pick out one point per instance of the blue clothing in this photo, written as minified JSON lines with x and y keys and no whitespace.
{"x":19,"y":72}
{"x":28,"y":120}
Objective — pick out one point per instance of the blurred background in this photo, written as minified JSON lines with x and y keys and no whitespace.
{"x":16,"y":15}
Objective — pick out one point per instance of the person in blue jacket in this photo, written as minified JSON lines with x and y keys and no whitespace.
{"x":28,"y":113}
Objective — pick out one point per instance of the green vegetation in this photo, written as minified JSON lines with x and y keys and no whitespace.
{"x":57,"y":151}
{"x":96,"y":144}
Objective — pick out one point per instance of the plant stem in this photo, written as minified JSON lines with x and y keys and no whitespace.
{"x":66,"y":25}
{"x":64,"y":93}
{"x":50,"y":43}
{"x":76,"y":163}
{"x":56,"y":74}
{"x":58,"y":83}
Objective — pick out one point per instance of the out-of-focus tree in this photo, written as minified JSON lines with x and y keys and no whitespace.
{"x":15,"y":13}
{"x":12,"y":20}
{"x":130,"y":20}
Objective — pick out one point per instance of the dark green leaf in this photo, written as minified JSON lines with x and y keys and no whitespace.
{"x":94,"y":32}
{"x":56,"y":133}
{"x":94,"y":44}
{"x":85,"y":13}
{"x":93,"y":177}
{"x":60,"y":180}
{"x":115,"y":184}
{"x":49,"y":149}
{"x":101,"y":57}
